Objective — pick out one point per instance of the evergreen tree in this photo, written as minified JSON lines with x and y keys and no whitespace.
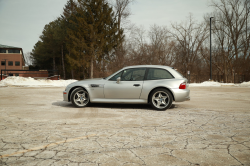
{"x":59,"y":37}
{"x":94,"y":32}
{"x":68,"y":10}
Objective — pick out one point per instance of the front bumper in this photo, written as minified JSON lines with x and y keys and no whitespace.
{"x":65,"y":96}
{"x":181,"y":95}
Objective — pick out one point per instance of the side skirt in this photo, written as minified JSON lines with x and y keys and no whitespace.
{"x":128,"y":101}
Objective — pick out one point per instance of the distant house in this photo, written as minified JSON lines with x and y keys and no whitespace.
{"x":11,"y":57}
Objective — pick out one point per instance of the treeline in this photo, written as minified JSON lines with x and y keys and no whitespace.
{"x":90,"y":41}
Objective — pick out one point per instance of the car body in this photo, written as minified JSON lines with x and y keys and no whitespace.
{"x":142,"y":84}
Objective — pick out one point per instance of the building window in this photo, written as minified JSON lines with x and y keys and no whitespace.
{"x":14,"y":51}
{"x":10,"y":74}
{"x":17,"y":63}
{"x":3,"y":51}
{"x":10,"y":63}
{"x":3,"y":63}
{"x":16,"y":74}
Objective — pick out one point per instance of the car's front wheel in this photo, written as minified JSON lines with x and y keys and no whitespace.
{"x":161,"y":99}
{"x":80,"y":98}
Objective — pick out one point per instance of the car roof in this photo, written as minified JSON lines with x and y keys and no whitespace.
{"x":151,"y":66}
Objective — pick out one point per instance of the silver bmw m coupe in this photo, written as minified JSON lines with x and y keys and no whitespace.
{"x":143,"y":84}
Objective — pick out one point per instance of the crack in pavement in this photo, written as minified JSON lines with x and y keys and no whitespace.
{"x":46,"y":146}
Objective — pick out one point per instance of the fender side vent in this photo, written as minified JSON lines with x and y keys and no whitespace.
{"x":94,"y":85}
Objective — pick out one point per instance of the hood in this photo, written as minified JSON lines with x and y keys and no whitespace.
{"x":87,"y":82}
{"x":93,"y":79}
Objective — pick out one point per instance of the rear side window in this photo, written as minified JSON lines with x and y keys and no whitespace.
{"x":158,"y":74}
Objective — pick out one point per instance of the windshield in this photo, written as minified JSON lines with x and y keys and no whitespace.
{"x":110,"y":75}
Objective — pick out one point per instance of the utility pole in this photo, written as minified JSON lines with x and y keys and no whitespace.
{"x":210,"y":50}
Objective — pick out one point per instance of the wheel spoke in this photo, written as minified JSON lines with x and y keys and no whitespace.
{"x":155,"y":98}
{"x":164,"y":97}
{"x":158,"y":103}
{"x":164,"y":102}
{"x":81,"y":101}
{"x":78,"y":95}
{"x":159,"y":95}
{"x":84,"y":96}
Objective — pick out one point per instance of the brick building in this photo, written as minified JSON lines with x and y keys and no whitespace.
{"x":11,"y":58}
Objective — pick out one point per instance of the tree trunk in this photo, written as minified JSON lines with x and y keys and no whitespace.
{"x":83,"y":73}
{"x":64,"y":75}
{"x":54,"y":64}
{"x":72,"y":74}
{"x":92,"y":66}
{"x":225,"y":73}
{"x":92,"y":60}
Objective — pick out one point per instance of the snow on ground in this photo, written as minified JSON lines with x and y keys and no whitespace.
{"x":211,"y":83}
{"x":31,"y":82}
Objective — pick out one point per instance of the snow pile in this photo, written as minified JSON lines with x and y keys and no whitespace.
{"x":245,"y":84}
{"x":211,"y":83}
{"x":206,"y":83}
{"x":31,"y":82}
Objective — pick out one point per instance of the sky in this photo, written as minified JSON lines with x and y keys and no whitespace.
{"x":22,"y":21}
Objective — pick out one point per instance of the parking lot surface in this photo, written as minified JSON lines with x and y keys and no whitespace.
{"x":38,"y":128}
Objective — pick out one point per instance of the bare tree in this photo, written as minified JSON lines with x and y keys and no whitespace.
{"x":122,"y":10}
{"x":162,"y":46}
{"x":190,"y":37}
{"x":230,"y":29}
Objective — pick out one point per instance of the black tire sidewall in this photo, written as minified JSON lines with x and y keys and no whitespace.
{"x":73,"y":94}
{"x":170,"y":98}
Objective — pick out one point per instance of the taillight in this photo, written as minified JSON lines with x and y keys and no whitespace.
{"x":182,"y":85}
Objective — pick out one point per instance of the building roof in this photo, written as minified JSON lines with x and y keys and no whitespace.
{"x":4,"y":46}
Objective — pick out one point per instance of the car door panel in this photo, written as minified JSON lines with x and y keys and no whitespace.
{"x":129,"y":87}
{"x":123,"y":89}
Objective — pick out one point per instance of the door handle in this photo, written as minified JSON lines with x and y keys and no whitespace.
{"x":137,"y":85}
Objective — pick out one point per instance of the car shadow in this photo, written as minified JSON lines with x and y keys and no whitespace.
{"x":63,"y":104}
{"x":110,"y":105}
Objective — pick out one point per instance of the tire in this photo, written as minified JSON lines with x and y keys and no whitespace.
{"x":80,"y":98}
{"x":161,"y":99}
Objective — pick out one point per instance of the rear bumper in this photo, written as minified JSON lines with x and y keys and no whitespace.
{"x":65,"y":96}
{"x":181,"y":95}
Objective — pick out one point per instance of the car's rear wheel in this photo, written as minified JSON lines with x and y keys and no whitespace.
{"x":80,"y":98}
{"x":161,"y":99}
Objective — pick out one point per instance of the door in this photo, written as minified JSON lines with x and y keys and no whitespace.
{"x":129,"y":87}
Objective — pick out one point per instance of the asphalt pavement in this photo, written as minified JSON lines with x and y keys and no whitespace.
{"x":38,"y":128}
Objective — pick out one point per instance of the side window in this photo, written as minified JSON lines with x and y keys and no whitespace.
{"x":133,"y":74}
{"x":116,"y":76}
{"x":157,"y":74}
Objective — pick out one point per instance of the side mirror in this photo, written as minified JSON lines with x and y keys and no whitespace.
{"x":118,"y":80}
